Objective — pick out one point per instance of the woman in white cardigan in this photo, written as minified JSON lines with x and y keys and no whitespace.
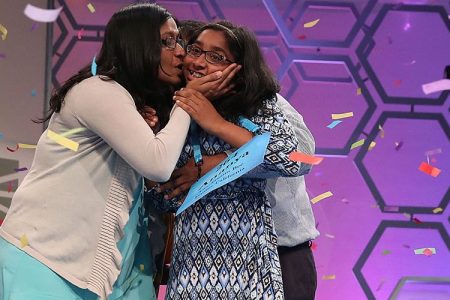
{"x":74,"y":228}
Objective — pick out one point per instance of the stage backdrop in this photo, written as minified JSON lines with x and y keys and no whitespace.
{"x":364,"y":57}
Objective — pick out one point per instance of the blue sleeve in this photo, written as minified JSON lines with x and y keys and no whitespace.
{"x":282,"y":142}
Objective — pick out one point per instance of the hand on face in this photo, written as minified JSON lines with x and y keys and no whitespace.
{"x":214,"y":88}
{"x":200,"y":109}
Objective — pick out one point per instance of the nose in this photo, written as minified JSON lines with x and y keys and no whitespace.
{"x":179,"y":51}
{"x":200,"y":62}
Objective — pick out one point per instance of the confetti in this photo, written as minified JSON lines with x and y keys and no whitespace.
{"x":33,"y":93}
{"x":334,"y":124}
{"x":358,"y":91}
{"x":311,"y":24}
{"x":314,"y":246}
{"x":357,"y":144}
{"x":398,"y":145}
{"x":437,"y":210}
{"x":328,"y":277}
{"x":91,"y":7}
{"x":63,"y":141}
{"x":94,"y":67}
{"x":429,"y":169}
{"x":397,"y":82}
{"x":4,"y":32}
{"x":391,"y":208}
{"x":345,"y":200}
{"x":417,"y":221}
{"x":141,"y":267}
{"x":305,"y":158}
{"x":21,"y":169}
{"x":41,"y":15}
{"x":406,"y":246}
{"x":13,"y":150}
{"x":433,"y":152}
{"x":436,"y":86}
{"x":26,"y":146}
{"x":321,"y":197}
{"x":372,"y":145}
{"x":23,"y":241}
{"x":2,"y":55}
{"x":386,"y":252}
{"x":425,"y":251}
{"x":1,"y":136}
{"x":34,"y":26}
{"x":80,"y":33}
{"x":381,"y":131}
{"x":329,"y":235}
{"x":341,"y":116}
{"x":302,"y":37}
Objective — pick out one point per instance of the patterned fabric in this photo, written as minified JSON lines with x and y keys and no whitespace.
{"x":225,"y":245}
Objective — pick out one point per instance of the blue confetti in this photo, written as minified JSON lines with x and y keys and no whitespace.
{"x":334,"y":123}
{"x":33,"y":93}
{"x":94,"y":67}
{"x":1,"y":136}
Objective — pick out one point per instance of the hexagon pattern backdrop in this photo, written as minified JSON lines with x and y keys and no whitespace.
{"x":367,"y":57}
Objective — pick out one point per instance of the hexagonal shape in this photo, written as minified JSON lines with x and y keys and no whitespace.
{"x":197,"y":10}
{"x":404,"y":48}
{"x":389,"y":256}
{"x":312,"y":83}
{"x":392,"y":172}
{"x":339,"y":21}
{"x":436,"y":288}
{"x":274,"y":50}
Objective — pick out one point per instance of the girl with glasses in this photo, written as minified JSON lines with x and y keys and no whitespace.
{"x":225,"y":246}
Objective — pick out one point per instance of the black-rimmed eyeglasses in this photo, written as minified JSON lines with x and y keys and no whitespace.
{"x":210,"y":56}
{"x":171,"y":42}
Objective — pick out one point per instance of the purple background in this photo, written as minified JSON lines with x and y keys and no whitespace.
{"x":386,"y":48}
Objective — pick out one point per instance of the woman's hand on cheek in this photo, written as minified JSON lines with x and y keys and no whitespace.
{"x":200,"y":109}
{"x":212,"y":86}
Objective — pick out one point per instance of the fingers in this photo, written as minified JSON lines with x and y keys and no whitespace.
{"x":179,"y":190}
{"x":149,"y":110}
{"x":227,"y":79}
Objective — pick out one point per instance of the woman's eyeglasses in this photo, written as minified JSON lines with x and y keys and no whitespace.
{"x":171,"y":42}
{"x":211,"y":56}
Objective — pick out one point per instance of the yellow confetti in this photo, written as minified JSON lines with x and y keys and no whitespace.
{"x":4,"y":32}
{"x":26,"y":146}
{"x":372,"y":145}
{"x":23,"y":241}
{"x":358,"y":91}
{"x":311,"y":24}
{"x":437,"y":210}
{"x":321,"y":197}
{"x":141,"y":267}
{"x":342,"y":116}
{"x":91,"y":7}
{"x":328,"y":277}
{"x":357,"y":144}
{"x":63,"y":141}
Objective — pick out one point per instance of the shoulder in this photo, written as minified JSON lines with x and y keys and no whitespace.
{"x":99,"y":87}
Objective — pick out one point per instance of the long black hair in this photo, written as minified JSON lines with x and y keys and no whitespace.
{"x":254,"y":82}
{"x":131,"y":56}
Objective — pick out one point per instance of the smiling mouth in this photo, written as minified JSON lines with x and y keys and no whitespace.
{"x":196,"y":74}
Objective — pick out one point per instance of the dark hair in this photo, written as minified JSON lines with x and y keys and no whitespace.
{"x":254,"y":82}
{"x":187,"y":28}
{"x":130,"y":55}
{"x":447,"y":72}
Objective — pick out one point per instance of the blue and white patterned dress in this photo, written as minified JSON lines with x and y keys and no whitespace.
{"x":225,"y":246}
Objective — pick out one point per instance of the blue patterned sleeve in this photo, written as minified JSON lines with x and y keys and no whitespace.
{"x":282,"y":142}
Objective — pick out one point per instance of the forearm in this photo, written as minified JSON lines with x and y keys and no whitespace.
{"x":232,"y":134}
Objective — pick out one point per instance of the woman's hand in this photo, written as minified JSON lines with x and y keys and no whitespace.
{"x":200,"y":109}
{"x":150,"y":117}
{"x":214,"y":86}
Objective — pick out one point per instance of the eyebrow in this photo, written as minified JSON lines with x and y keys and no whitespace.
{"x":213,"y":48}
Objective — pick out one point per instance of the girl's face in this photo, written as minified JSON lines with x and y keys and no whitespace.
{"x":208,"y":54}
{"x":170,"y":69}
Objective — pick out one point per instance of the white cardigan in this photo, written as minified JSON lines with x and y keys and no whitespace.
{"x":73,"y":206}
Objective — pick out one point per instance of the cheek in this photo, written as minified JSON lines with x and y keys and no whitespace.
{"x":166,"y":59}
